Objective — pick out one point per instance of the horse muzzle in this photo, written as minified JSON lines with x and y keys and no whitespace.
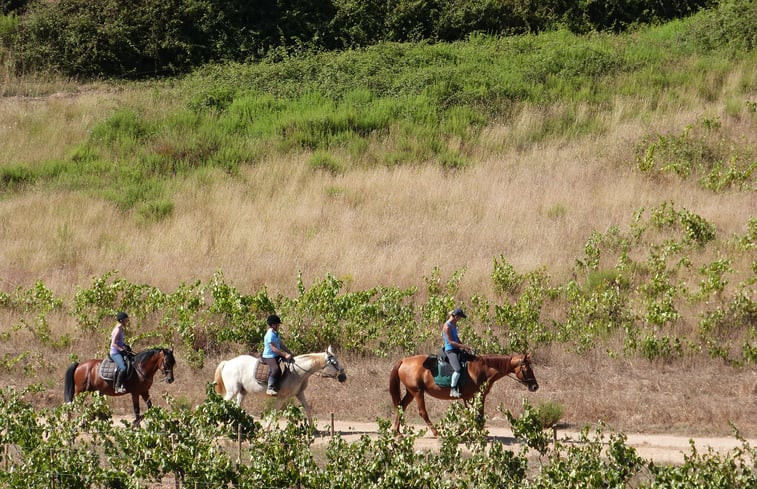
{"x":341,"y":377}
{"x":533,"y":387}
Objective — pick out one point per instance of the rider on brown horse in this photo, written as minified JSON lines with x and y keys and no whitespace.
{"x":453,"y":348}
{"x":118,"y":348}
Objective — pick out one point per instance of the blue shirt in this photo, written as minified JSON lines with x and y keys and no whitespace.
{"x":271,"y":338}
{"x":452,"y":332}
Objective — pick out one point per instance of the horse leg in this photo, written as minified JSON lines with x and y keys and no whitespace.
{"x":406,"y":400}
{"x":135,"y":403}
{"x":305,"y":406}
{"x":481,"y":412}
{"x":421,"y":400}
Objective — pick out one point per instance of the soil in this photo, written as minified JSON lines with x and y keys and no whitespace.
{"x":660,"y":448}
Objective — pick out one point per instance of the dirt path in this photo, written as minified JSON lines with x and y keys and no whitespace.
{"x":659,"y":448}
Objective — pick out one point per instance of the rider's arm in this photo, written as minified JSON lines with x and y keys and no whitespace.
{"x":452,"y":342}
{"x":283,"y":351}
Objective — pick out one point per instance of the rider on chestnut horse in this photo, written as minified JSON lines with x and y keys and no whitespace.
{"x":453,"y":348}
{"x":118,"y":348}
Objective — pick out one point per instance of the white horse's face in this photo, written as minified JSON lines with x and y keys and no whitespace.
{"x":333,"y":368}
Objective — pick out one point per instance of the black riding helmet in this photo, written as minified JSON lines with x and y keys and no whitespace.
{"x":273,"y":319}
{"x":121,"y":316}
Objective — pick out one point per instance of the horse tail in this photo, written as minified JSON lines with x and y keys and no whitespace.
{"x":69,"y":383}
{"x":218,"y":379}
{"x":394,"y":384}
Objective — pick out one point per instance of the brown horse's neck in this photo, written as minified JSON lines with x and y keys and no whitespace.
{"x":503,"y":364}
{"x":147,"y":362}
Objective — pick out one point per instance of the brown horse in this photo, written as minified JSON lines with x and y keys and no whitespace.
{"x":83,"y":377}
{"x":416,"y":375}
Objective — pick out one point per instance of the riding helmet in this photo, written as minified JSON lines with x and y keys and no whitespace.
{"x":121,"y":316}
{"x":459,"y":312}
{"x":273,"y":319}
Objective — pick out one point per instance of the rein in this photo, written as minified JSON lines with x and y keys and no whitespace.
{"x":512,"y":375}
{"x":516,"y":379}
{"x":139,"y":368}
{"x":320,"y":373}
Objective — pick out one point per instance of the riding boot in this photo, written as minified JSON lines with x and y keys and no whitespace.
{"x":118,"y":385}
{"x":273,"y":389}
{"x":454,"y":391}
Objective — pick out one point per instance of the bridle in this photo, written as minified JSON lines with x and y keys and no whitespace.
{"x":166,"y":366}
{"x":524,"y":364}
{"x":331,"y":360}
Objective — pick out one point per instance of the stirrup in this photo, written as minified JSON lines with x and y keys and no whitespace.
{"x":454,"y":392}
{"x":120,"y":389}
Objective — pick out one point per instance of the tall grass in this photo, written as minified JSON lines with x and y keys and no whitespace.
{"x":389,"y":160}
{"x":387,"y":105}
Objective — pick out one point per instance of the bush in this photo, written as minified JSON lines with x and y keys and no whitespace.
{"x":733,"y":24}
{"x":157,"y":37}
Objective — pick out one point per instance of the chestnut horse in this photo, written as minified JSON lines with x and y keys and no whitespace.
{"x":417,"y":377}
{"x":83,"y":377}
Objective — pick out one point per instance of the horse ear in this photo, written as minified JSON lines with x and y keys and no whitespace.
{"x":329,"y":350}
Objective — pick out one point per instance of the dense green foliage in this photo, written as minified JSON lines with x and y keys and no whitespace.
{"x":77,"y":446}
{"x":127,"y":38}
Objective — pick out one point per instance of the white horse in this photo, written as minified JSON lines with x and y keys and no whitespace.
{"x":236,"y":377}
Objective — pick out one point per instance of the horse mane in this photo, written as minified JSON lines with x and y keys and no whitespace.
{"x":319,"y":357}
{"x":499,"y":362}
{"x":145,"y":354}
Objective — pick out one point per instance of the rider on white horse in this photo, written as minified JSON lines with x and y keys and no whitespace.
{"x":273,"y":350}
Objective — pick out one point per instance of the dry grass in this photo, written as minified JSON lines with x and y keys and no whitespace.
{"x":536,"y":207}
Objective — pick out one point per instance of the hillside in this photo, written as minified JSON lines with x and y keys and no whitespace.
{"x":590,"y":198}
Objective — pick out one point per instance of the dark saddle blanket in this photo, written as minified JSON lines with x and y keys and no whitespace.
{"x":442,"y":369}
{"x":107,"y":370}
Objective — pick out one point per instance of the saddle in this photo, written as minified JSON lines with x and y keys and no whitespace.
{"x":263,"y":371}
{"x":443,"y":370}
{"x":107,"y":370}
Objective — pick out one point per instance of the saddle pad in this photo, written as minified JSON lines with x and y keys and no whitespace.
{"x":107,"y":369}
{"x":261,"y":373}
{"x":444,"y":370}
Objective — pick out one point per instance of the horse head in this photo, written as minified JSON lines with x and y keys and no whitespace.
{"x":150,"y":361}
{"x":166,"y":364}
{"x":332,"y":368}
{"x":524,"y":373}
